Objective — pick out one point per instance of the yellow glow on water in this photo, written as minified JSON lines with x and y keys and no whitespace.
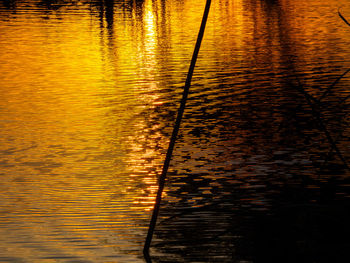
{"x":87,"y":107}
{"x":58,"y":80}
{"x":150,"y":27}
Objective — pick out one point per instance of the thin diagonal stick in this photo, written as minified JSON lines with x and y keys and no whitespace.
{"x":333,"y":85}
{"x":175,"y":131}
{"x":341,"y":16}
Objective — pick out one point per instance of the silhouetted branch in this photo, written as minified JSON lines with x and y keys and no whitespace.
{"x":333,"y":85}
{"x":328,"y":157}
{"x":175,"y":131}
{"x":318,"y":117}
{"x":309,"y":97}
{"x":342,"y":17}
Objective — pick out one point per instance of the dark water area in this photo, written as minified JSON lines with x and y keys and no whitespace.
{"x":89,"y":95}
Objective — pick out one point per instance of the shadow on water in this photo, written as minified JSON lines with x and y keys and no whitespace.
{"x":260,"y":180}
{"x":286,"y":199}
{"x":282,"y":206}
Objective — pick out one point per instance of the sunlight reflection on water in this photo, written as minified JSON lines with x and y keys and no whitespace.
{"x":89,"y":91}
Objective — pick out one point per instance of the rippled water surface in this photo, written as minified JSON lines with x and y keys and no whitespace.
{"x":89,"y":93}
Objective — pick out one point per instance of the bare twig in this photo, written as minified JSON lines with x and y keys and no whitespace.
{"x":175,"y":132}
{"x":317,"y":115}
{"x":342,"y":17}
{"x":333,"y":85}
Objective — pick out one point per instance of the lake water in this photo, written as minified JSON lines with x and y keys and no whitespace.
{"x":89,"y":94}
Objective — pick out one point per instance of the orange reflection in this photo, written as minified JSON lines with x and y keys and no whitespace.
{"x":87,"y":105}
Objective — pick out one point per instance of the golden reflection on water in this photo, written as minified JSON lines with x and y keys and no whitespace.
{"x":75,"y":160}
{"x":88,"y":96}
